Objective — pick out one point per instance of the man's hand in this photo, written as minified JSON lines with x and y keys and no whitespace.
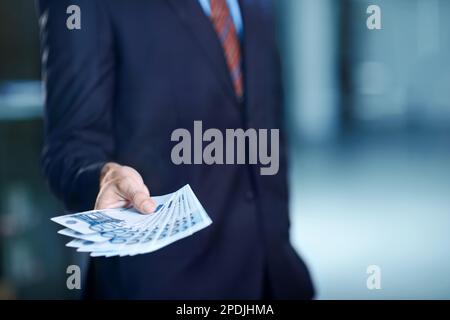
{"x":122,"y":186}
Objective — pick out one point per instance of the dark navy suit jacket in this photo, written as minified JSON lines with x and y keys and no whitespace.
{"x":115,"y":91}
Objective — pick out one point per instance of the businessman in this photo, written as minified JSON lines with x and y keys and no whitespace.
{"x":117,"y":85}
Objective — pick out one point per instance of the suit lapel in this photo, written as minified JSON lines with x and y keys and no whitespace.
{"x":202,"y":30}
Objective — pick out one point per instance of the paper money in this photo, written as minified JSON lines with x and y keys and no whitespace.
{"x":126,"y":232}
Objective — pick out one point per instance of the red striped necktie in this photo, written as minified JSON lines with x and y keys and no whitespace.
{"x":226,"y":31}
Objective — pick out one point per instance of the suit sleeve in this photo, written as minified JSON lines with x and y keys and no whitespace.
{"x":78,"y":69}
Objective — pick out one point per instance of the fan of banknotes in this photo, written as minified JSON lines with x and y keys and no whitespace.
{"x":126,"y":232}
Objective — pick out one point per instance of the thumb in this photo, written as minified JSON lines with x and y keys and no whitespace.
{"x":143,"y":202}
{"x":138,"y":195}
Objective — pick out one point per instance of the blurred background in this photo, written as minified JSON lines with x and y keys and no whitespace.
{"x":369,"y":120}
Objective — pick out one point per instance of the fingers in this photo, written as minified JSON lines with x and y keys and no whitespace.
{"x":137,"y":193}
{"x":123,"y":187}
{"x":105,"y":201}
{"x":143,"y":203}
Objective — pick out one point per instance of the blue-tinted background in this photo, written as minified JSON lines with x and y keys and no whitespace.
{"x":369,"y":120}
